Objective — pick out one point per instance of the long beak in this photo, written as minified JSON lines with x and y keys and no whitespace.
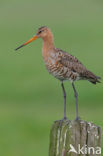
{"x":32,"y":39}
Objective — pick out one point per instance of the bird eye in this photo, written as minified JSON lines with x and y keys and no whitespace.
{"x":40,"y":31}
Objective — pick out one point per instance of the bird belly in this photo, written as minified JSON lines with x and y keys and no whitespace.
{"x":60,"y":71}
{"x":55,"y":69}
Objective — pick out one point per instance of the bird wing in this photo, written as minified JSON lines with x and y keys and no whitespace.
{"x":71,"y":62}
{"x":74,"y":65}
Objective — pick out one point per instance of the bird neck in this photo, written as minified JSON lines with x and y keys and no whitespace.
{"x":48,"y":43}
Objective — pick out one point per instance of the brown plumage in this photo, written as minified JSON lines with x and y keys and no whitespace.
{"x":62,"y":65}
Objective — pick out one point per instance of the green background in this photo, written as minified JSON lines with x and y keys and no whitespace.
{"x":30,"y":98}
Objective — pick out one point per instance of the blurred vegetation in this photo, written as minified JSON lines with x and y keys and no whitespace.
{"x":31,"y":99}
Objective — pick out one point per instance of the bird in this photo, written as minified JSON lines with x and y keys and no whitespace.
{"x":62,"y":65}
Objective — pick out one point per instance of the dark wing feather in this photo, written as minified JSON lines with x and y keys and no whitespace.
{"x":74,"y":65}
{"x":71,"y":62}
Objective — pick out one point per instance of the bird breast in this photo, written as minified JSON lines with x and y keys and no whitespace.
{"x":53,"y":65}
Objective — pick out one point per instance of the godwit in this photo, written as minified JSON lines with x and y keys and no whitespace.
{"x":61,"y":64}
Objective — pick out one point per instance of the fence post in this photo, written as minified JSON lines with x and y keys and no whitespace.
{"x":73,"y":138}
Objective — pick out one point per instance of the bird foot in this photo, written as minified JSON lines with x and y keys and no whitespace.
{"x":65,"y":118}
{"x":62,"y":120}
{"x":77,"y":118}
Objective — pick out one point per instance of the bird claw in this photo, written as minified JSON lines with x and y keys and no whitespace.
{"x":77,"y":118}
{"x":62,"y":120}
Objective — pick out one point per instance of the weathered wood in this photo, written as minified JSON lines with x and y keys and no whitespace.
{"x":84,"y":137}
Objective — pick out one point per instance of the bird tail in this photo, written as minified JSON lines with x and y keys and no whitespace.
{"x":93,"y":78}
{"x":88,"y":75}
{"x":94,"y":81}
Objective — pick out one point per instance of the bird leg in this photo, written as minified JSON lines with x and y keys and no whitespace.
{"x":64,"y":93}
{"x":76,"y":101}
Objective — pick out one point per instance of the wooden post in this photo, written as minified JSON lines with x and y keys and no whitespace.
{"x":73,"y":138}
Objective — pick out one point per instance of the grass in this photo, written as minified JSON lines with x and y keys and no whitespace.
{"x":31,"y":99}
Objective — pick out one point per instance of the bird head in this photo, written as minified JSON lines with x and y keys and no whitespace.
{"x":43,"y":32}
